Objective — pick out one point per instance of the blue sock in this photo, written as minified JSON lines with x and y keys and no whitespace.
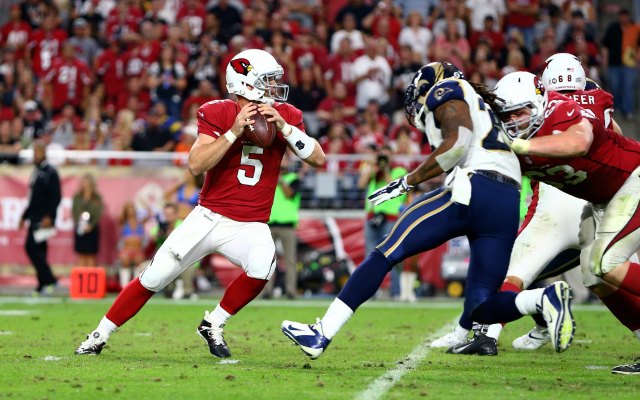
{"x":499,"y":307}
{"x":365,"y":280}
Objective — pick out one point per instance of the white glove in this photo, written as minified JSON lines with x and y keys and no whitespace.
{"x":391,"y":191}
{"x":520,"y":146}
{"x":517,"y":145}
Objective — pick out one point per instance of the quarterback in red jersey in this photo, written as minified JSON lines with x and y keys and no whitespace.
{"x":563,"y":145}
{"x":235,"y":201}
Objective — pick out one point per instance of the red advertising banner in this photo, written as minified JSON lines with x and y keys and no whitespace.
{"x":116,"y":187}
{"x":337,"y":239}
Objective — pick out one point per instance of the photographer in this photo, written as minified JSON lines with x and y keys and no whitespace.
{"x":380,"y":219}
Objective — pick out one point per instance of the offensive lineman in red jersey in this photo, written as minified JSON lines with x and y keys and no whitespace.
{"x":547,"y":243}
{"x":560,"y":144}
{"x":235,"y":201}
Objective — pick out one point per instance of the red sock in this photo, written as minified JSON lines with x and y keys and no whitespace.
{"x":241,"y":292}
{"x":509,"y":287}
{"x":132,"y":298}
{"x":631,"y":281}
{"x":625,"y":306}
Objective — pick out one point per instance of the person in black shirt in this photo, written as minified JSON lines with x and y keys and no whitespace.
{"x":44,"y":198}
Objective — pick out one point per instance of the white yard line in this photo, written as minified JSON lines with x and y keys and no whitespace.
{"x":378,"y":388}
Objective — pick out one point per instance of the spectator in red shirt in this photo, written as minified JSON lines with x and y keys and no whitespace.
{"x":522,"y":16}
{"x":67,"y":81}
{"x":546,"y":48}
{"x":138,"y":93}
{"x":15,"y":33}
{"x":204,"y":93}
{"x":110,"y":67}
{"x":452,"y":47}
{"x":337,"y":141}
{"x":193,"y":12}
{"x":145,"y":52}
{"x":339,"y":68}
{"x":45,"y":44}
{"x":253,"y":40}
{"x":338,"y":107}
{"x":308,"y":53}
{"x":383,"y":22}
{"x":123,"y":21}
{"x":488,"y":34}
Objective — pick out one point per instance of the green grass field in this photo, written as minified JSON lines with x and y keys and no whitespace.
{"x":158,"y":356}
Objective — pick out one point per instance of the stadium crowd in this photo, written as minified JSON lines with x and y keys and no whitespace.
{"x":130,"y":74}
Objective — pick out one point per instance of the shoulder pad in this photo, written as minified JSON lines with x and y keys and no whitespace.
{"x":445,"y":90}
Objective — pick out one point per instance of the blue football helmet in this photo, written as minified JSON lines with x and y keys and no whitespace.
{"x":416,"y":93}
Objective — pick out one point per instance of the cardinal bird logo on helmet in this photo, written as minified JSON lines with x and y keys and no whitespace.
{"x":539,"y":86}
{"x":241,"y":66}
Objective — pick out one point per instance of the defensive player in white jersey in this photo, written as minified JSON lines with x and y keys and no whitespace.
{"x":548,"y":242}
{"x":235,"y":200}
{"x":480,"y":199}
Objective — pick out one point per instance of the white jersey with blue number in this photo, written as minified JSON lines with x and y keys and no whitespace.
{"x":487,"y":150}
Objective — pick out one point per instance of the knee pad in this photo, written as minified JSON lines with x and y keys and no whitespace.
{"x":162,"y":270}
{"x":589,"y":279}
{"x":261,"y":262}
{"x":587,"y":231}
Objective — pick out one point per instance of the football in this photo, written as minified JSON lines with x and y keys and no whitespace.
{"x":261,"y":132}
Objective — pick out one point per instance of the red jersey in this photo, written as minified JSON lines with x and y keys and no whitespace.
{"x":597,"y":101}
{"x":242,"y":185}
{"x":110,"y":66}
{"x":194,"y":17}
{"x":46,"y":46}
{"x":597,"y":175}
{"x":15,"y":35}
{"x":68,"y":78}
{"x":141,"y":57}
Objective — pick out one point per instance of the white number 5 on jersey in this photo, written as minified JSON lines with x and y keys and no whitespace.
{"x":251,"y":162}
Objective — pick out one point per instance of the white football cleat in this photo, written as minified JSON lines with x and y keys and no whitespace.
{"x":310,"y":338}
{"x":93,"y":345}
{"x":556,"y":310}
{"x":536,"y":338}
{"x":454,"y":338}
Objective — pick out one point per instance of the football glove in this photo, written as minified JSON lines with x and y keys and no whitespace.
{"x":391,"y":191}
{"x":517,"y":145}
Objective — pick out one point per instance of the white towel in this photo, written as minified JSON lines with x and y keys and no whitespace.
{"x":458,"y":183}
{"x":193,"y":229}
{"x":42,"y":234}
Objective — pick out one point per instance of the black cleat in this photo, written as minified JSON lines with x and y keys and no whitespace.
{"x":480,"y":344}
{"x":628,"y":369}
{"x":213,"y":336}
